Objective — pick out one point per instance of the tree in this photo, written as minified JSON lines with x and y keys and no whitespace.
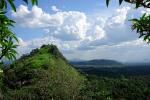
{"x":141,"y":25}
{"x":8,"y":39}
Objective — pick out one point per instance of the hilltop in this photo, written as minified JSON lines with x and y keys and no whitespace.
{"x":43,"y":74}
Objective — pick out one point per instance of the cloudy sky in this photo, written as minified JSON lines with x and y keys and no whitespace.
{"x":82,"y":29}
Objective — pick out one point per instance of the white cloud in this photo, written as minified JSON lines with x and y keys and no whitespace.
{"x":21,"y":42}
{"x":66,"y":26}
{"x":79,"y":36}
{"x":22,"y":11}
{"x":99,"y":33}
{"x":74,"y":26}
{"x":118,"y":26}
{"x":145,"y":11}
{"x":36,"y":18}
{"x":71,"y":25}
{"x":28,"y":45}
{"x":119,"y":16}
{"x":55,"y":9}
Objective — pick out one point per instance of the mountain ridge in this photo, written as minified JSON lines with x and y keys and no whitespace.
{"x":43,"y":74}
{"x":97,"y":62}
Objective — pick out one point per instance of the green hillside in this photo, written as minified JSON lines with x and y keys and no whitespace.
{"x":44,"y":74}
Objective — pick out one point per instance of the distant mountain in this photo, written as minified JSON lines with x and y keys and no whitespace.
{"x":76,"y":60}
{"x":97,"y":62}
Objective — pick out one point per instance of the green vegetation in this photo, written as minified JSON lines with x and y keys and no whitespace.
{"x":118,"y":88}
{"x":123,"y":83}
{"x":8,"y":39}
{"x":44,"y":74}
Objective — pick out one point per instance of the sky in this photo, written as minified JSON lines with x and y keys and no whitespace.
{"x":82,"y":29}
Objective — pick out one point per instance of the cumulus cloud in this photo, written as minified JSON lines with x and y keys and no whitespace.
{"x":55,"y":9}
{"x":71,"y":25}
{"x":36,"y":18}
{"x":119,"y":17}
{"x":79,"y":36}
{"x":118,"y":26}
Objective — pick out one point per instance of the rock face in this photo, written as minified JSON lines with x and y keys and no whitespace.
{"x":44,"y":74}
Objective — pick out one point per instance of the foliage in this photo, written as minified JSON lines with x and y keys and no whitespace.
{"x":8,"y":39}
{"x":4,"y":4}
{"x":45,"y":74}
{"x":142,"y":25}
{"x":42,"y":75}
{"x":118,"y":88}
{"x":131,"y":82}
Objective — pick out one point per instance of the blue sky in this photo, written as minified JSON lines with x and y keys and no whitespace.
{"x":90,"y":7}
{"x":82,"y":29}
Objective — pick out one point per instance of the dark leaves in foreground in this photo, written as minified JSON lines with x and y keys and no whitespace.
{"x":142,"y":26}
{"x":7,"y":38}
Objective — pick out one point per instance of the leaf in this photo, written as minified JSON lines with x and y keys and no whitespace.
{"x":146,"y":37}
{"x":5,"y":4}
{"x":2,"y":12}
{"x":107,"y":2}
{"x":134,"y":20}
{"x":140,"y":35}
{"x":143,"y":16}
{"x":138,"y":3}
{"x":12,"y":4}
{"x":142,"y":26}
{"x":1,"y":4}
{"x":120,"y":2}
{"x":8,"y":38}
{"x":34,"y":2}
{"x":26,"y":1}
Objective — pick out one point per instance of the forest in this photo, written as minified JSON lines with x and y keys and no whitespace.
{"x":45,"y":73}
{"x":127,"y":82}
